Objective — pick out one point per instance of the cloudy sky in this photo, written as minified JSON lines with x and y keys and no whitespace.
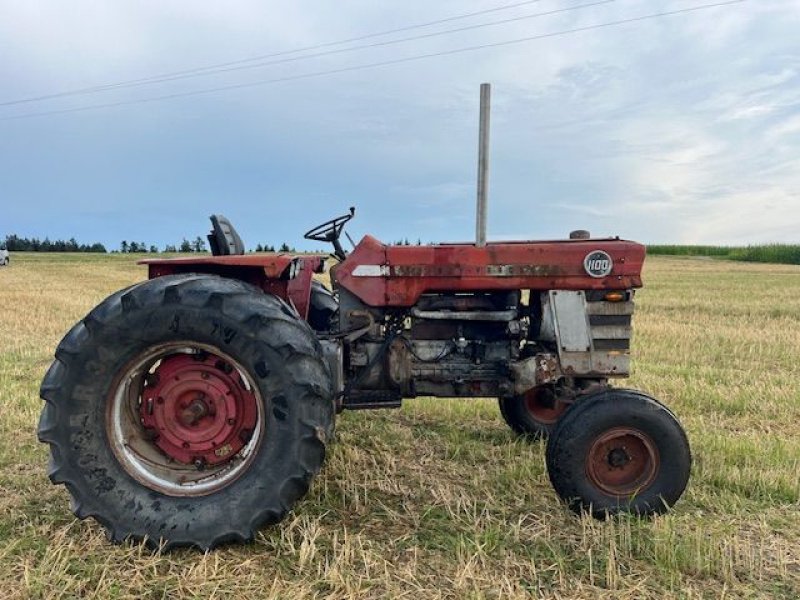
{"x":683,"y":128}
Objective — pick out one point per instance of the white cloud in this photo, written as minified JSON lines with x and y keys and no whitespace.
{"x":684,"y":128}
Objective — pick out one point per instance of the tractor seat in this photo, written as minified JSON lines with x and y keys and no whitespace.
{"x":224,"y":240}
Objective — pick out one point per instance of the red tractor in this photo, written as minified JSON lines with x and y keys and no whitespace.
{"x":196,"y":407}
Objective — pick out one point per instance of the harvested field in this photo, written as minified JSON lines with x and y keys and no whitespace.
{"x":439,"y":499}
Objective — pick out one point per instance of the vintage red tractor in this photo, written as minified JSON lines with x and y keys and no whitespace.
{"x":195,"y":407}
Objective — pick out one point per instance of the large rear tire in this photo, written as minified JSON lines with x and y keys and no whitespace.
{"x":189,"y":410}
{"x":619,"y":451}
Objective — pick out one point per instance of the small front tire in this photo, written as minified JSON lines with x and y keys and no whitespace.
{"x":533,"y":414}
{"x":619,"y":451}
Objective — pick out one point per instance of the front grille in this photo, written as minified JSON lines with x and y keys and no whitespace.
{"x":610,"y":325}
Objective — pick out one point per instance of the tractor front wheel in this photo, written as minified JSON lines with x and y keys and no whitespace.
{"x":188,"y":410}
{"x":619,"y":451}
{"x":533,"y":414}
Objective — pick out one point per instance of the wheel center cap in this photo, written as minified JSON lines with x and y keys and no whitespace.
{"x":618,"y":457}
{"x":198,"y":409}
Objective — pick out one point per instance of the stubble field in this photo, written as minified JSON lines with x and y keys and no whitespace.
{"x":439,"y":499}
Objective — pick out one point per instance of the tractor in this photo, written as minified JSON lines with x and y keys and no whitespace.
{"x":195,"y":407}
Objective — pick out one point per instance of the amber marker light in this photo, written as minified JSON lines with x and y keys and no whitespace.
{"x":615,"y":296}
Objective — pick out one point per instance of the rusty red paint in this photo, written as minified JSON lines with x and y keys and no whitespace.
{"x":623,"y":462}
{"x":198,"y":410}
{"x":410,"y":271}
{"x":273,"y":265}
{"x":272,"y":273}
{"x":542,"y":410}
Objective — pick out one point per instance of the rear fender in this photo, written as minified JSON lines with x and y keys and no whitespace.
{"x":284,"y":275}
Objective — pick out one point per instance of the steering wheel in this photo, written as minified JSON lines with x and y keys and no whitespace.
{"x":329,"y":231}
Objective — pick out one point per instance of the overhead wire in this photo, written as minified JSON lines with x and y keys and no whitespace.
{"x":352,"y":68}
{"x":132,"y":82}
{"x":327,"y":52}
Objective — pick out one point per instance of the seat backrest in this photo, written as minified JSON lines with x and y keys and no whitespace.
{"x":224,"y":240}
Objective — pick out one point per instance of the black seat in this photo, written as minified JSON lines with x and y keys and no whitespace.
{"x":224,"y":239}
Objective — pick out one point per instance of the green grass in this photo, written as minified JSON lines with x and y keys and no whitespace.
{"x":787,"y":254}
{"x":439,"y":499}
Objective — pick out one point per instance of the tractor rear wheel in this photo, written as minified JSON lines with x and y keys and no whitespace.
{"x":619,"y":451}
{"x":188,"y":410}
{"x":534,"y":413}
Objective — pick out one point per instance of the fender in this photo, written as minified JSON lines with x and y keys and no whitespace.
{"x":287,"y":276}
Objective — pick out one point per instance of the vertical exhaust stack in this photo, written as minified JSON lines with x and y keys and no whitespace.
{"x":483,"y":165}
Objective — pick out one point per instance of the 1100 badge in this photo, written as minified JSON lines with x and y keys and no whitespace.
{"x":598,"y":264}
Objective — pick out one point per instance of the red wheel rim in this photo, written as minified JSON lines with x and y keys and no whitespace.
{"x":622,"y":461}
{"x":185,"y":419}
{"x":540,"y":409}
{"x":197,"y":409}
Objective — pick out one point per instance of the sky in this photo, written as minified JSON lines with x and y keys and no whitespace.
{"x":683,"y":128}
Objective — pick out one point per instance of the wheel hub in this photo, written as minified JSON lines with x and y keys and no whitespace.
{"x":622,"y":461}
{"x":198,"y":410}
{"x":543,"y":405}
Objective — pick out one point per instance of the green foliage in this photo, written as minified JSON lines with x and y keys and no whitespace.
{"x":788,"y":254}
{"x":772,"y":253}
{"x":14,"y":243}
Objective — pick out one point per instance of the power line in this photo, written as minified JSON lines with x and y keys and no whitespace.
{"x":360,"y":38}
{"x":381,"y":63}
{"x":155,"y":81}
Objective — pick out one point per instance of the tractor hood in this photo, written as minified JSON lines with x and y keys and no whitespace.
{"x":383,"y":275}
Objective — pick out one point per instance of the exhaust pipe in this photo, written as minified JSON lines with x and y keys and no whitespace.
{"x":483,"y":165}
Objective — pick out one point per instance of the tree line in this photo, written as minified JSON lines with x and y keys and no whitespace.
{"x":14,"y":243}
{"x":197,"y":245}
{"x":284,"y":247}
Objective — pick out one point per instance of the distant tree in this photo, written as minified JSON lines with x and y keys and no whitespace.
{"x":285,"y":248}
{"x":259,"y":248}
{"x":186,"y":246}
{"x":123,"y":247}
{"x":134,"y":247}
{"x":199,"y":244}
{"x":269,"y":248}
{"x":153,"y":249}
{"x":170,"y":248}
